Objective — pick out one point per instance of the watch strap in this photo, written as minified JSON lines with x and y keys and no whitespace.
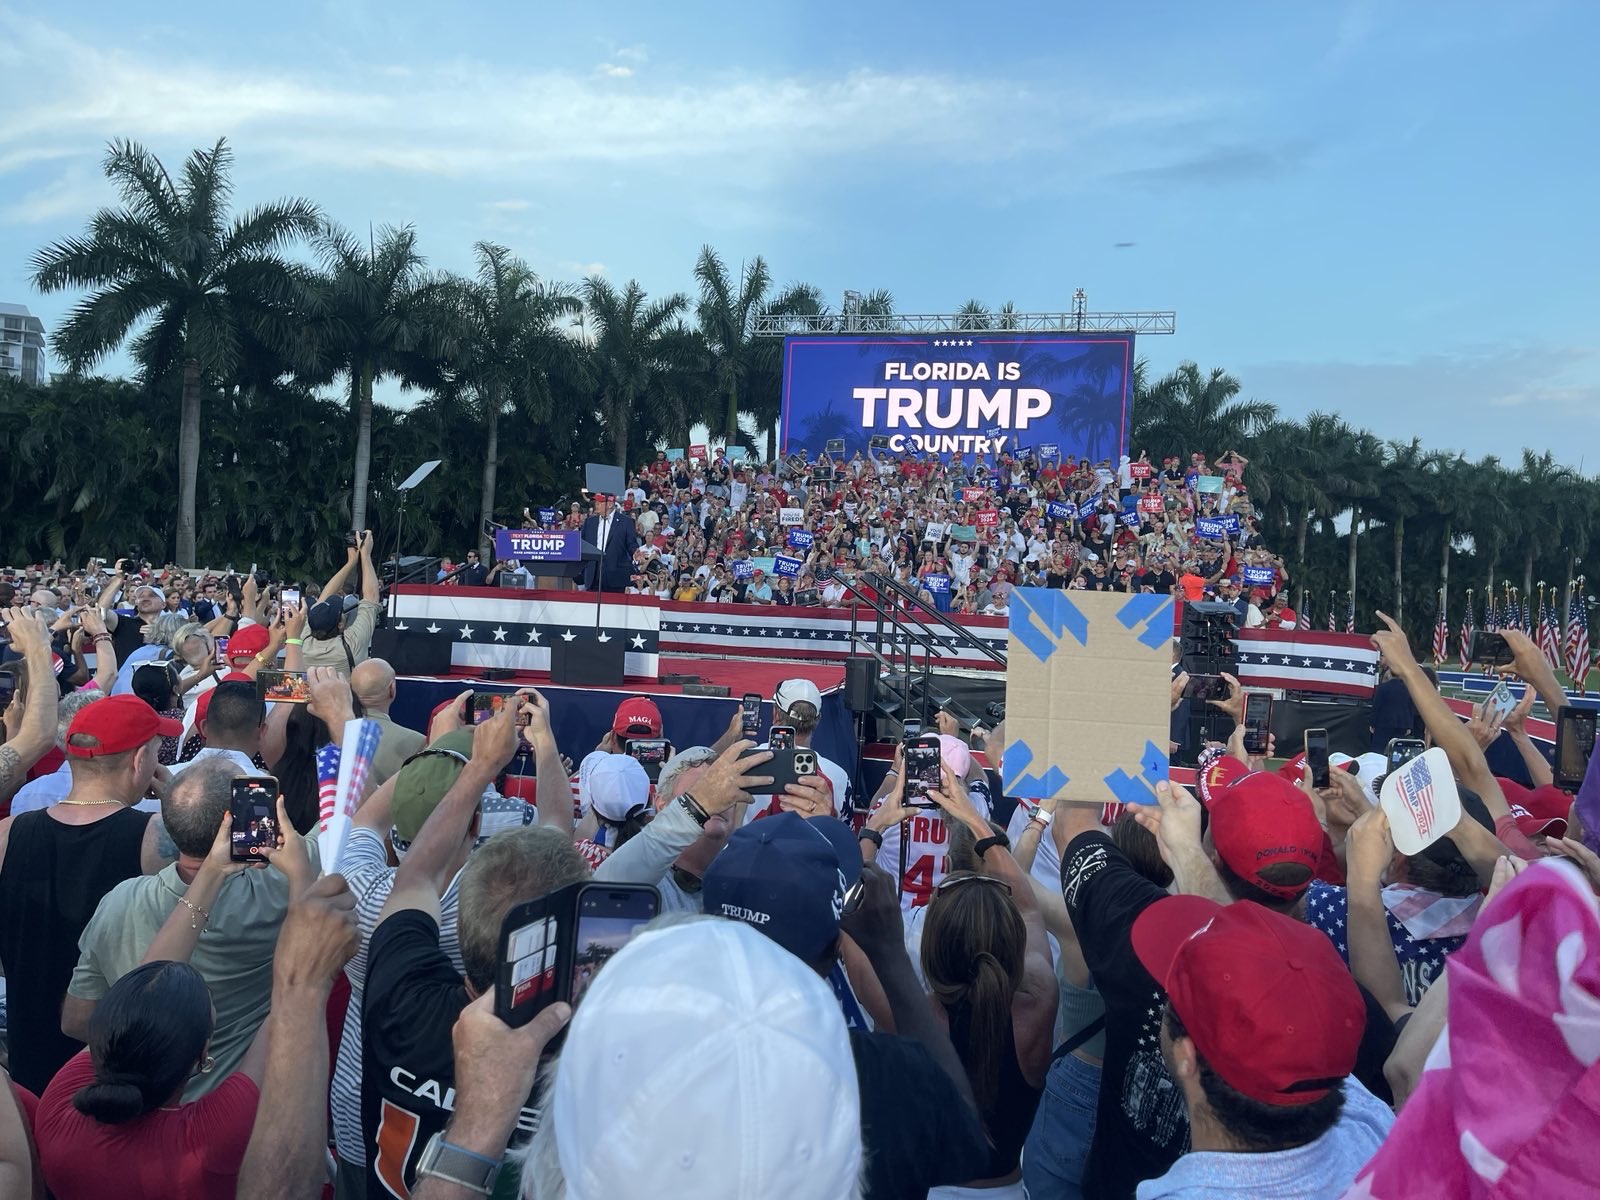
{"x":870,"y":835}
{"x":984,"y":845}
{"x":465,"y":1168}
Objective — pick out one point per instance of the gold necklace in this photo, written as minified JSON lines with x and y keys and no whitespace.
{"x":88,"y":803}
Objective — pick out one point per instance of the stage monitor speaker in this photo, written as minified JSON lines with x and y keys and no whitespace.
{"x":412,"y":652}
{"x":860,"y":682}
{"x":706,"y":689}
{"x":587,"y":664}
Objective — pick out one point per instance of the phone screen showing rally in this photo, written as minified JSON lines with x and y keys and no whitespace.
{"x":607,"y":920}
{"x":923,"y":763}
{"x":254,"y":812}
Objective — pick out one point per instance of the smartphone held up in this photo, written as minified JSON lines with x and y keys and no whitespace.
{"x":253,"y":812}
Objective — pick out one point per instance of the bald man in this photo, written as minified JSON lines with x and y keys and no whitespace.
{"x":372,"y":681}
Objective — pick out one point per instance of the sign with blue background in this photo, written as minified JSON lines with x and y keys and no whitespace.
{"x":538,"y":545}
{"x":972,"y":396}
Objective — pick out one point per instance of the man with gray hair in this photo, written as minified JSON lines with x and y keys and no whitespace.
{"x":675,"y":849}
{"x":238,"y":935}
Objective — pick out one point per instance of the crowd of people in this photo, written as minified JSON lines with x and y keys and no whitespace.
{"x":1243,"y":990}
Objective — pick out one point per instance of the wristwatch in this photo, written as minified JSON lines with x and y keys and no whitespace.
{"x":1043,"y":816}
{"x":475,"y":1172}
{"x":984,"y":845}
{"x":869,"y":834}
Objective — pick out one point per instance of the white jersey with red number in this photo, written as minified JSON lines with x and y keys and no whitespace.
{"x":927,"y":851}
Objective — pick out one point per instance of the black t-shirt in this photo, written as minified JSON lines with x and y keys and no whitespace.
{"x":473,"y":575}
{"x":127,"y":637}
{"x":916,"y":1130}
{"x":1162,"y":581}
{"x":1142,"y":1126}
{"x":412,"y":999}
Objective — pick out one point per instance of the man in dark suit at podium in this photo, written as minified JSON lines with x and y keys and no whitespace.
{"x":615,"y":535}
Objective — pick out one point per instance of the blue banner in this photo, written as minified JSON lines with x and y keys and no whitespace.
{"x":1050,"y":450}
{"x":1058,"y":511}
{"x":1087,"y":509}
{"x":964,"y":398}
{"x":743,"y":568}
{"x":1131,"y":520}
{"x":1231,"y":524}
{"x":789,"y":567}
{"x":538,"y":545}
{"x":937,"y":584}
{"x":547,"y":517}
{"x":800,"y":539}
{"x":1213,"y":531}
{"x":1260,"y":576}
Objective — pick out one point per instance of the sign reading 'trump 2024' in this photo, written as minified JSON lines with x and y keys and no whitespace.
{"x":980,"y":393}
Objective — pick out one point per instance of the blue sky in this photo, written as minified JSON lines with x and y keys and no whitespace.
{"x":1385,"y":210}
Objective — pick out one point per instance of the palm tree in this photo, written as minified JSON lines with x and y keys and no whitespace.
{"x":1533,"y":490}
{"x":507,"y":329}
{"x":973,"y":315}
{"x":369,"y":320}
{"x":629,"y":349}
{"x":173,"y":258}
{"x":727,"y":316}
{"x":1188,"y":411}
{"x":1402,"y":494}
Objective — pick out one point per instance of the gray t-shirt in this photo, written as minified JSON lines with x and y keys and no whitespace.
{"x":233,"y":953}
{"x":1319,"y":1170}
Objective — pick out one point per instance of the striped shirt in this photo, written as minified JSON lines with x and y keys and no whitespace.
{"x":366,"y":869}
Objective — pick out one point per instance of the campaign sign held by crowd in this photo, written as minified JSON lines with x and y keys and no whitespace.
{"x":743,"y":568}
{"x":835,"y":446}
{"x":988,"y":518}
{"x":1210,"y":529}
{"x":800,"y":539}
{"x":937,"y":584}
{"x":1260,"y":576}
{"x":698,"y":452}
{"x":1139,"y":470}
{"x":791,"y":516}
{"x":1058,"y":511}
{"x":1421,"y":801}
{"x":965,"y":397}
{"x":971,"y":495}
{"x":1049,"y":451}
{"x":548,"y":517}
{"x":790,"y":567}
{"x":538,"y":545}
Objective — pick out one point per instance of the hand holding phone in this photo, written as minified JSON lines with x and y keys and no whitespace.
{"x":924,"y":762}
{"x":1257,"y":722}
{"x":750,"y":717}
{"x":1575,"y":735}
{"x":283,"y":687}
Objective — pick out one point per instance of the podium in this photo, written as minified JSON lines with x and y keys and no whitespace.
{"x":585,"y":662}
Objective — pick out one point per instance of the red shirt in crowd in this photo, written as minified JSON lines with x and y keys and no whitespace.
{"x":193,"y":1150}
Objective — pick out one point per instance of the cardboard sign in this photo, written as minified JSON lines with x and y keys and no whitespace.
{"x":963,"y":533}
{"x":791,"y":516}
{"x":674,"y":455}
{"x":971,"y":495}
{"x":1088,"y":695}
{"x":743,"y":568}
{"x":1208,"y":483}
{"x":1420,"y":800}
{"x":988,"y":518}
{"x":789,"y":567}
{"x":800,"y":539}
{"x":538,"y":545}
{"x":939,"y":585}
{"x":834,"y":446}
{"x":697,"y":452}
{"x":934,"y":532}
{"x":737,"y":453}
{"x":1140,"y":470}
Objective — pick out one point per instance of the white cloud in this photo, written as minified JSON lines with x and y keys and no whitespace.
{"x":508,"y":205}
{"x":636,"y":53}
{"x":582,"y":268}
{"x":613,"y":71}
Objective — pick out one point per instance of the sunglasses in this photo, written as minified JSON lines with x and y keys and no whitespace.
{"x":955,"y":880}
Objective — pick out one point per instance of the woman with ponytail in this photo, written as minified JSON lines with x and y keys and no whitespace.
{"x":987,"y":962}
{"x":113,"y":1122}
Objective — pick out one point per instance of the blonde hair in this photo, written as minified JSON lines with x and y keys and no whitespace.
{"x":190,"y":629}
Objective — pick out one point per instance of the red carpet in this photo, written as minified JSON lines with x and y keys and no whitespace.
{"x":738,"y":676}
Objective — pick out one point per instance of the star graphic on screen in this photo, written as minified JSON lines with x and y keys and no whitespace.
{"x":499,"y":634}
{"x":604,"y":637}
{"x":433,"y":628}
{"x":569,"y":636}
{"x":638,"y":641}
{"x":466,"y":633}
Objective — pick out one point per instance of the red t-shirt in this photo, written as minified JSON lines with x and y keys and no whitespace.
{"x":194,"y":1150}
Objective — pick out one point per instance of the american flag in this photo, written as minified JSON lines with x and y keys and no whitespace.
{"x":1465,"y":645}
{"x":1441,"y":633}
{"x":1333,"y":625}
{"x":1416,"y":789}
{"x":1303,"y":620}
{"x":1334,"y":664}
{"x":1350,"y":615}
{"x":1549,"y":643}
{"x":1578,"y":644}
{"x":1491,"y":618}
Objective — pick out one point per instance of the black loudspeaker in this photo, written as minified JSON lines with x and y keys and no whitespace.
{"x":860,"y":682}
{"x":412,"y":652}
{"x":706,"y":689}
{"x":1207,"y":638}
{"x":587,"y":663}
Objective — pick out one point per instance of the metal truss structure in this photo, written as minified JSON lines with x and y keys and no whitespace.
{"x":780,"y":325}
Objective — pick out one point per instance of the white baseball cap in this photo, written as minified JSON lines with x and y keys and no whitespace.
{"x":797,"y":691}
{"x":740,"y":1042}
{"x":614,"y":786}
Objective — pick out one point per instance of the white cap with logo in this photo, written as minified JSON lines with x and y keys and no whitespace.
{"x":797,"y":691}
